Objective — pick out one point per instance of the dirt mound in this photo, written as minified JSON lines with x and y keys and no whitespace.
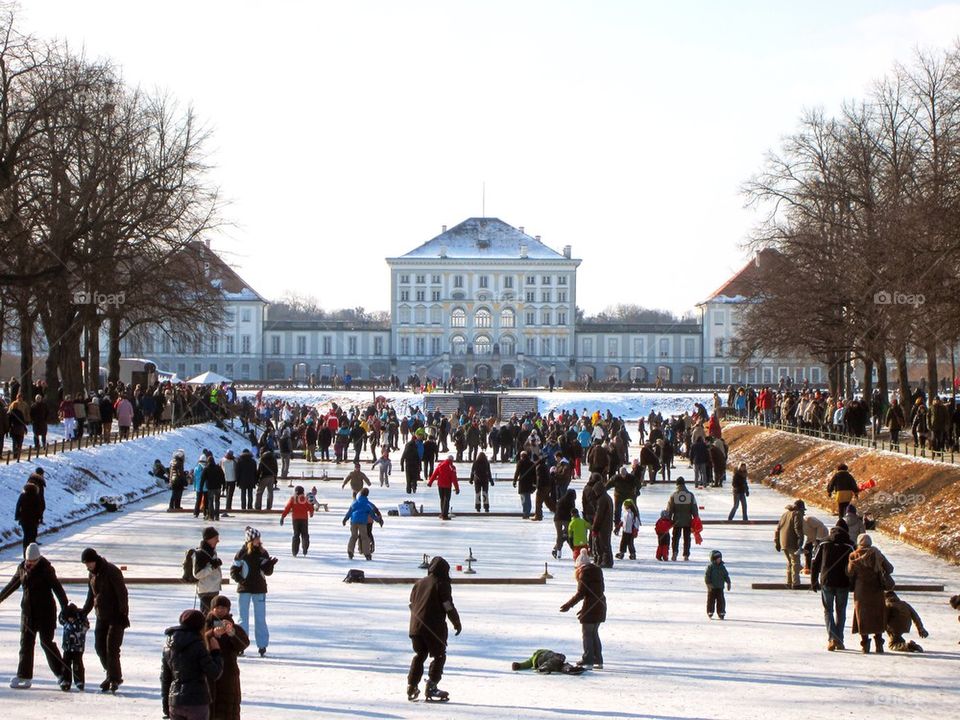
{"x":921,"y":496}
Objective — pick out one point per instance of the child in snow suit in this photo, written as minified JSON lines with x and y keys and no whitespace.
{"x":662,"y":528}
{"x":578,"y":534}
{"x":75,"y":626}
{"x":385,"y":467}
{"x":715,"y":577}
{"x":548,"y":661}
{"x":630,"y":525}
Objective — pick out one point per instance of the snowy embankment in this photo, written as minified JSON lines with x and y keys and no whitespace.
{"x":915,"y":499}
{"x":76,"y":480}
{"x":629,"y":406}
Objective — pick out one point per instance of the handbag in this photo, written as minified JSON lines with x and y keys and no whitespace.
{"x":886,"y":579}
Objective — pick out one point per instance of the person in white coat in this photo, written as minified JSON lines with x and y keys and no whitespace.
{"x":207,"y":569}
{"x":229,"y":466}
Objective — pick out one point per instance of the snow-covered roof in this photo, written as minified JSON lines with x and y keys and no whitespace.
{"x":739,"y":287}
{"x":484,"y":238}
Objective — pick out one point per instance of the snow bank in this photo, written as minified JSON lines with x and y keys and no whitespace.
{"x":76,"y":480}
{"x":630,"y":405}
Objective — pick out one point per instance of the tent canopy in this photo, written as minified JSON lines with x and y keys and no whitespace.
{"x":208,"y":378}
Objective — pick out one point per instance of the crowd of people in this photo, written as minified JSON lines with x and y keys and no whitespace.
{"x":541,"y":455}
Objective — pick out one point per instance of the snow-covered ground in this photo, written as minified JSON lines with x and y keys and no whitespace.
{"x":77,"y":479}
{"x":340,"y":650}
{"x":626,"y":405}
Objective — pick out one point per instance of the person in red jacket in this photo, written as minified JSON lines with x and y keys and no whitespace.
{"x":445,"y":476}
{"x":301,"y":509}
{"x":662,"y":528}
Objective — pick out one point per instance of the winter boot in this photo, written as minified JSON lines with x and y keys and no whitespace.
{"x":413,"y":692}
{"x":619,"y":556}
{"x":865,"y":645}
{"x":486,"y":508}
{"x":674,"y":557}
{"x":477,"y":506}
{"x":435,"y":694}
{"x":262,"y":651}
{"x":19,"y":683}
{"x":878,"y":641}
{"x":105,"y":686}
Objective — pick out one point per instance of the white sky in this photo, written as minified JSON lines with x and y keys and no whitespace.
{"x":345,"y":132}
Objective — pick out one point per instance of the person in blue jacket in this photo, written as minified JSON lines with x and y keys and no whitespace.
{"x":359,"y":514}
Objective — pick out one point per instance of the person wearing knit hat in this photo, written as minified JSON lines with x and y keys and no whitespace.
{"x":869,"y":572}
{"x":108,"y":597}
{"x":592,"y":612}
{"x":188,"y":666}
{"x":207,"y":568}
{"x":38,"y":613}
{"x":251,"y":566}
{"x":226,"y":690}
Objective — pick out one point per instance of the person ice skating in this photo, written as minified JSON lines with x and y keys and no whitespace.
{"x":431,"y":605}
{"x":716,"y":576}
{"x":385,"y":465}
{"x":900,"y":616}
{"x":301,"y":509}
{"x":814,"y":533}
{"x":482,"y":480}
{"x":356,"y":479}
{"x":566,"y":506}
{"x":359,"y":514}
{"x":866,"y":568}
{"x":73,"y":643}
{"x":626,"y":486}
{"x":191,"y":661}
{"x":662,"y":529}
{"x":828,"y":575}
{"x":628,"y":527}
{"x":411,"y":462}
{"x":246,"y":478}
{"x":525,"y":481}
{"x":682,"y":507}
{"x":843,"y":488}
{"x":741,"y":491}
{"x":592,"y":612}
{"x":788,"y":538}
{"x":855,"y":525}
{"x":445,"y":475}
{"x":38,"y":615}
{"x":207,"y":568}
{"x":108,"y":596}
{"x":251,"y":567}
{"x":578,"y":534}
{"x":178,"y":480}
{"x":228,"y":465}
{"x":225,"y":692}
{"x":266,"y":477}
{"x":547,"y":661}
{"x":29,"y":513}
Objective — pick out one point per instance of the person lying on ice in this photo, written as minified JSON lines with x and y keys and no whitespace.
{"x":548,"y":661}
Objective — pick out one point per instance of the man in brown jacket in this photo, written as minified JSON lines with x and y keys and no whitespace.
{"x":789,"y":539}
{"x":431,"y":604}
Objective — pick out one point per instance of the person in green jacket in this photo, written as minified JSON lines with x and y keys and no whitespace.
{"x":578,"y":534}
{"x":716,"y":576}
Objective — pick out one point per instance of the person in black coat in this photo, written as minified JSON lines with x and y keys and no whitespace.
{"x":29,"y":513}
{"x":188,"y":666}
{"x":212,"y":479}
{"x":246,"y":478}
{"x":482,"y":479}
{"x":225,"y":704}
{"x":828,"y":574}
{"x":108,"y":596}
{"x":410,"y":464}
{"x":544,"y":488}
{"x":561,"y":519}
{"x":266,"y":477}
{"x":525,"y":481}
{"x":431,"y":604}
{"x":590,"y":590}
{"x":38,"y":613}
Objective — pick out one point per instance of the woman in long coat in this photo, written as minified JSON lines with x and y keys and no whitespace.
{"x":225,"y":692}
{"x":869,"y":607}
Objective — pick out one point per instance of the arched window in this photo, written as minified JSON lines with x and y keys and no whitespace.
{"x":420,"y":315}
{"x":458,"y":318}
{"x":483,"y":319}
{"x":458,"y":345}
{"x":508,"y":318}
{"x":404,"y":314}
{"x":482,"y":345}
{"x":508,"y":345}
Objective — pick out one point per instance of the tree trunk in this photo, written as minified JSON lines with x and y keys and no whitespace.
{"x":53,"y":379}
{"x":867,"y":379}
{"x":883,"y":382}
{"x":903,"y":377}
{"x":113,"y":349}
{"x":933,"y":385}
{"x":61,"y":323}
{"x":92,"y":349}
{"x":833,"y":376}
{"x":847,"y":377}
{"x":26,"y":357}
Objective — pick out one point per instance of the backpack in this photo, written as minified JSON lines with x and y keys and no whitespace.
{"x":354,"y":576}
{"x":188,"y":576}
